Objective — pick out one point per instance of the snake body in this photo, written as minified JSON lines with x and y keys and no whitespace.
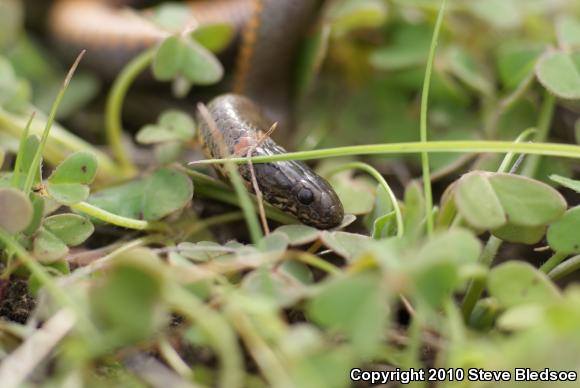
{"x":271,"y":30}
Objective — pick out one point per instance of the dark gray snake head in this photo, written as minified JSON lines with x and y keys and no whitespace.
{"x":290,"y":185}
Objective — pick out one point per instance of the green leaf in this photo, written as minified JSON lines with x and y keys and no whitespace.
{"x":172,"y":16}
{"x":347,"y":245}
{"x":435,"y":270}
{"x":214,"y":37}
{"x":168,"y":59}
{"x":498,"y":13}
{"x":299,"y":234}
{"x":458,"y":246}
{"x":571,"y":184}
{"x":26,"y":156}
{"x":173,"y":125}
{"x":38,"y":206}
{"x":409,"y":49}
{"x":464,"y":67}
{"x":381,"y":221}
{"x":558,"y":73}
{"x":520,"y":234}
{"x":47,"y":247}
{"x":15,"y":210}
{"x":68,"y":182}
{"x":478,"y":203}
{"x":564,"y":234}
{"x":355,"y":193}
{"x":354,"y":305}
{"x":515,"y":60}
{"x":180,"y":56}
{"x":568,"y":32}
{"x":72,"y":229}
{"x":435,"y":283}
{"x":150,"y":198}
{"x":527,"y":202}
{"x":516,"y":283}
{"x":285,"y":285}
{"x":347,"y":15}
{"x":126,"y":303}
{"x":414,"y":214}
{"x":203,"y":251}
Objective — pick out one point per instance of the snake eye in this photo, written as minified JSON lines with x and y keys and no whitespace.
{"x":305,"y":196}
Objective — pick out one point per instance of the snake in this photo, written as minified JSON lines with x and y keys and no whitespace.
{"x":270,"y":32}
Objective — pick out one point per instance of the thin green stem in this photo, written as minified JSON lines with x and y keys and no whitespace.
{"x":544,"y":121}
{"x":507,"y":160}
{"x":423,"y":121}
{"x":317,"y":262}
{"x":476,"y":286}
{"x":113,"y":111}
{"x":567,"y":267}
{"x":114,"y":219}
{"x":377,"y":175}
{"x":35,"y":164}
{"x":449,"y":146}
{"x":553,"y":261}
{"x":20,"y":155}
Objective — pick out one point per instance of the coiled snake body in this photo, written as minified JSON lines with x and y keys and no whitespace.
{"x":271,"y":30}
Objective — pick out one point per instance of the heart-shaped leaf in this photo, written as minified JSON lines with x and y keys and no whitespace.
{"x":72,"y":229}
{"x":214,"y":37}
{"x":516,"y":283}
{"x":347,"y":303}
{"x":150,"y":198}
{"x":299,"y":234}
{"x":68,"y":182}
{"x":564,"y":234}
{"x":527,"y":202}
{"x":520,"y":234}
{"x":173,"y":125}
{"x":47,"y":247}
{"x":478,"y":203}
{"x":571,"y":184}
{"x":559,"y":73}
{"x":568,"y":32}
{"x":180,"y":56}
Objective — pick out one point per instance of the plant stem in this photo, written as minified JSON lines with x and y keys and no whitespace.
{"x":544,"y":121}
{"x":375,"y":174}
{"x":20,"y":154}
{"x":35,"y":164}
{"x":113,"y":219}
{"x":317,"y":262}
{"x":423,"y":121}
{"x":552,"y":262}
{"x":565,"y":268}
{"x":113,"y":111}
{"x":476,"y":286}
{"x":451,"y":146}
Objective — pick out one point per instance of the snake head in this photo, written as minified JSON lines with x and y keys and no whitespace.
{"x":293,"y":187}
